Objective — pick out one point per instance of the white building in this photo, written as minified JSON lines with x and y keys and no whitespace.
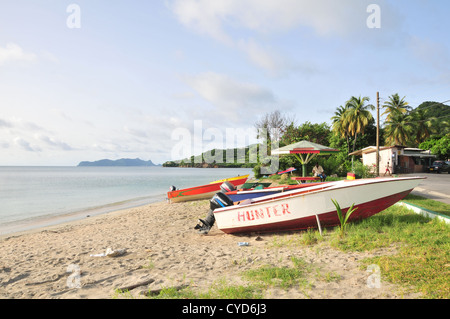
{"x":399,"y":159}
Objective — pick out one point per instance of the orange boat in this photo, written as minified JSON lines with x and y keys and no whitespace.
{"x":203,"y":191}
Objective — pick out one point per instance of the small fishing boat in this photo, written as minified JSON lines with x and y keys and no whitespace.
{"x":202,"y":191}
{"x":253,"y":185}
{"x":312,"y":206}
{"x":242,"y":194}
{"x":229,"y":179}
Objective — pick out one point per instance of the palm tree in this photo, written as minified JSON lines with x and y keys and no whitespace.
{"x":421,"y":124}
{"x":395,"y":105}
{"x":398,"y":129}
{"x":338,"y":124}
{"x":357,"y":116}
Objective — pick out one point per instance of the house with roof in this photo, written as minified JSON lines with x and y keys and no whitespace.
{"x":399,"y":159}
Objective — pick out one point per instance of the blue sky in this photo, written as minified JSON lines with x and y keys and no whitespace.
{"x":132,"y":76}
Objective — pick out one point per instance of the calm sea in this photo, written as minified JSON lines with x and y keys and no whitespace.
{"x":32,"y":197}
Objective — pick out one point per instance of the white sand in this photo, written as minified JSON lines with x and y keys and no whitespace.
{"x":164,"y":250}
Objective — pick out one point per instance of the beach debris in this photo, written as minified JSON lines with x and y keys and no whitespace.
{"x":243,"y":244}
{"x":111,"y":253}
{"x":139,"y":284}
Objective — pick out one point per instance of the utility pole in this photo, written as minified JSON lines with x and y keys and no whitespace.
{"x":378,"y":135}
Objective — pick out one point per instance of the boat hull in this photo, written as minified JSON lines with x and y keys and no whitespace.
{"x":302,"y":209}
{"x":203,"y":191}
{"x":229,"y":179}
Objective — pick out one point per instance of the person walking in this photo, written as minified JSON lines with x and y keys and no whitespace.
{"x":388,"y":170}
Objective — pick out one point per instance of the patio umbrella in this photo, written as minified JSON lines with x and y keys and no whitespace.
{"x":305,"y":151}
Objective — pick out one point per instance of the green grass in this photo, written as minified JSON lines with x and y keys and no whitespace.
{"x":435,"y":206}
{"x":284,"y":277}
{"x":218,"y":290}
{"x":422,"y":261}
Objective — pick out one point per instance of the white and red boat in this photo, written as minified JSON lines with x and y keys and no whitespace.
{"x":312,"y":206}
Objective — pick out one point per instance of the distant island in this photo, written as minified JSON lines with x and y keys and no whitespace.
{"x":119,"y":162}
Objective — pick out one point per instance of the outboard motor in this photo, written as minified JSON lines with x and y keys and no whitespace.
{"x":171,"y":189}
{"x":227,"y":187}
{"x":219,"y":200}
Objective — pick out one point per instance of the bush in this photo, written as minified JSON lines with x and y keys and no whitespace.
{"x":361,"y":170}
{"x":257,"y":170}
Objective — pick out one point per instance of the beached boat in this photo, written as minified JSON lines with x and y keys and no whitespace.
{"x":252,"y":185}
{"x":242,"y":194}
{"x":229,"y":179}
{"x":307,"y":207}
{"x":203,"y":191}
{"x":289,"y":170}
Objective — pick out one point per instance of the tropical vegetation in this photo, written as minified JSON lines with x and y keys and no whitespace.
{"x":352,"y":127}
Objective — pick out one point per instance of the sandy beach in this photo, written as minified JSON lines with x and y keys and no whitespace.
{"x":163,"y":250}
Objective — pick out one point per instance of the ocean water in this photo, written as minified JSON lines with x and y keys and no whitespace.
{"x":32,"y":197}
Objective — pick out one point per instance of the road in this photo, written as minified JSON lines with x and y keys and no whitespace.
{"x":435,"y":186}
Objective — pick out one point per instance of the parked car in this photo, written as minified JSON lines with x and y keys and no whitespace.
{"x":440,"y":166}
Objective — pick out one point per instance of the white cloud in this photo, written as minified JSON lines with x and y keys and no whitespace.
{"x":204,"y":16}
{"x":325,"y":17}
{"x":14,"y":53}
{"x":224,"y":92}
{"x":4,"y":123}
{"x":54,"y":143}
{"x":26,"y":145}
{"x":4,"y":144}
{"x":245,"y":24}
{"x":263,"y":57}
{"x":231,"y":103}
{"x":135,"y":132}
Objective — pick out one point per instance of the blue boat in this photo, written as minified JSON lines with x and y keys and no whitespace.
{"x":243,"y":194}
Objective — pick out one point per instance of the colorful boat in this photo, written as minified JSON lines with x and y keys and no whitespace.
{"x":229,"y":179}
{"x":252,"y":185}
{"x":244,"y":193}
{"x":289,"y":170}
{"x":203,"y":191}
{"x":312,"y":206}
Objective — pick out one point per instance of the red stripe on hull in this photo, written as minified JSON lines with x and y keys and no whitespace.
{"x":330,"y":219}
{"x":204,"y":191}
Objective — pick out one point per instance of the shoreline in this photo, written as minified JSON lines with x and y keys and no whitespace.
{"x":163,"y":250}
{"x":41,"y":222}
{"x":39,"y":210}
